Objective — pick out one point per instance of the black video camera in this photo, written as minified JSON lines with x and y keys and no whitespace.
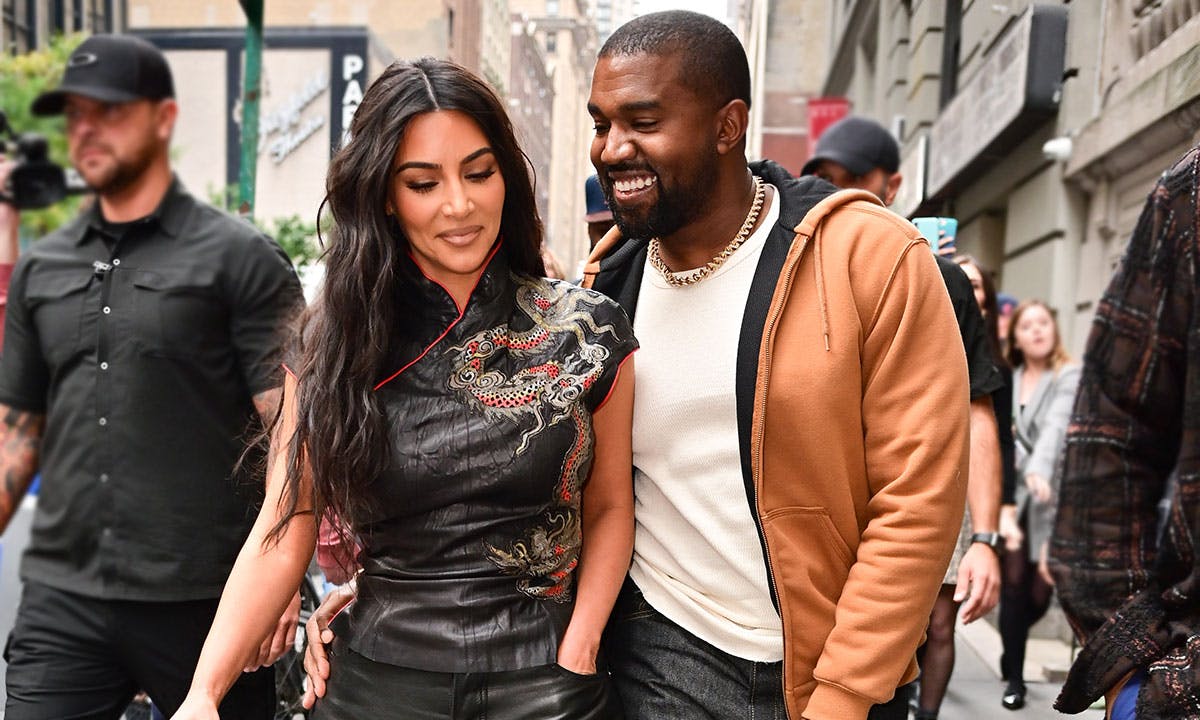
{"x":35,"y":181}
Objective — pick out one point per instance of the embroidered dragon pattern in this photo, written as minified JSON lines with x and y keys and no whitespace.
{"x":544,"y":392}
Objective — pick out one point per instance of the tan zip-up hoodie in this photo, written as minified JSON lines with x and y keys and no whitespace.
{"x":858,"y":447}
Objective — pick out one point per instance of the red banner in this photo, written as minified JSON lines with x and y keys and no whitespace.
{"x":823,"y":112}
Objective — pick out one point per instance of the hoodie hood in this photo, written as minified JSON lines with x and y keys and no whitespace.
{"x":806,"y":202}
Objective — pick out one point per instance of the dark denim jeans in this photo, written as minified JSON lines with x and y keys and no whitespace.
{"x":661,"y":671}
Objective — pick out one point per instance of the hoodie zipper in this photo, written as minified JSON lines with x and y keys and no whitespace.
{"x":756,"y":448}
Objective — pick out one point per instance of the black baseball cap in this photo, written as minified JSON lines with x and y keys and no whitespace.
{"x":111,"y":69}
{"x":858,"y":144}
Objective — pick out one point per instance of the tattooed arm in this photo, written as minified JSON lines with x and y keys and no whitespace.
{"x":20,"y":438}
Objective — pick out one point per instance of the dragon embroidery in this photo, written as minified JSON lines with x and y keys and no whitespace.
{"x":541,"y":394}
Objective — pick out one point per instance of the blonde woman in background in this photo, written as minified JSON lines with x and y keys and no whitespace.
{"x":1044,"y":382}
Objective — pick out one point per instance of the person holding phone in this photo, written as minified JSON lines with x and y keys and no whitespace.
{"x":859,"y":153}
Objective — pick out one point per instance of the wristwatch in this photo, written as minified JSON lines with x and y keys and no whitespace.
{"x":991,"y":539}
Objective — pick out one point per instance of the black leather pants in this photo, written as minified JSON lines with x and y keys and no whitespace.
{"x":360,"y":688}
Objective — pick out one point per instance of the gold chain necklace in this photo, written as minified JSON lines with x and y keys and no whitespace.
{"x":695,"y":276}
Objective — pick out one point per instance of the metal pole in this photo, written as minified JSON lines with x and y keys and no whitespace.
{"x":250,"y":97}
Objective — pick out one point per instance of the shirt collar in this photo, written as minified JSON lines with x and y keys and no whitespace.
{"x":169,"y":216}
{"x":431,"y":311}
{"x":435,"y":302}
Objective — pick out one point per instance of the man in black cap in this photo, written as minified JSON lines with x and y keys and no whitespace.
{"x":859,"y":153}
{"x":140,"y":340}
{"x":856,"y":152}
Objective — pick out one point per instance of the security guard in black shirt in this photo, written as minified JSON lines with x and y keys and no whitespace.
{"x":141,"y":339}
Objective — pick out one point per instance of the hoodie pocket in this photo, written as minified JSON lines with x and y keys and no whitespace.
{"x":810,"y":559}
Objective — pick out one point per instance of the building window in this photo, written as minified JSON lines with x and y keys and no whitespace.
{"x":551,"y":42}
{"x":99,"y":16}
{"x":77,"y":15}
{"x":951,"y":48}
{"x":17,"y":35}
{"x":551,"y":7}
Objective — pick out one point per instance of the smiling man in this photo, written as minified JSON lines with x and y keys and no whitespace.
{"x":140,"y":339}
{"x":800,"y":437}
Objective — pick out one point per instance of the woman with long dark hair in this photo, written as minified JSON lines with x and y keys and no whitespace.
{"x":984,"y":286}
{"x":467,"y":420}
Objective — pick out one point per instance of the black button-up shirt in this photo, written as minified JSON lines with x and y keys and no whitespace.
{"x":145,"y":352}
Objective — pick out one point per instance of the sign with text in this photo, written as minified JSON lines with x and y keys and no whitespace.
{"x":353,"y":75}
{"x":282,"y":128}
{"x":1020,"y":79}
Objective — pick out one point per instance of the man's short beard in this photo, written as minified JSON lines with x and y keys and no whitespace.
{"x":663,"y":219}
{"x":119,"y":178}
{"x":674,"y":209}
{"x":123,"y":173}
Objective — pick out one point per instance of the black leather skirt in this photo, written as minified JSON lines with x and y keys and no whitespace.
{"x":362,"y":689}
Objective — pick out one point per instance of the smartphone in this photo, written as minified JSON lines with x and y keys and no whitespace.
{"x":940,"y":232}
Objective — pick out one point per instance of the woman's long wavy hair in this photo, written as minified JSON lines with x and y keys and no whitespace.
{"x":346,"y":339}
{"x":990,"y":309}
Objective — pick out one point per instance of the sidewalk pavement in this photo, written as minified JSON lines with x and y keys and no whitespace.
{"x":975,"y":688}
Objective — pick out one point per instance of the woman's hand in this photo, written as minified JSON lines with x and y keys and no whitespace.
{"x":196,"y":707}
{"x":577,"y":657}
{"x":10,"y":217}
{"x":1039,"y":488}
{"x":318,"y":634}
{"x":1010,"y":529}
{"x":1044,"y":564}
{"x":277,"y":643}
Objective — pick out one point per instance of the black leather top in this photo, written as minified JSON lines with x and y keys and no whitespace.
{"x":469,"y":556}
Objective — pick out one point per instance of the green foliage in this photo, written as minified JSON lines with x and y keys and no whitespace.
{"x":23,"y":78}
{"x":297,"y":237}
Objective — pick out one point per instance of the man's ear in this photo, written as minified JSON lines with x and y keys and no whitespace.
{"x":732,"y":121}
{"x":893,"y":187}
{"x":164,"y":117}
